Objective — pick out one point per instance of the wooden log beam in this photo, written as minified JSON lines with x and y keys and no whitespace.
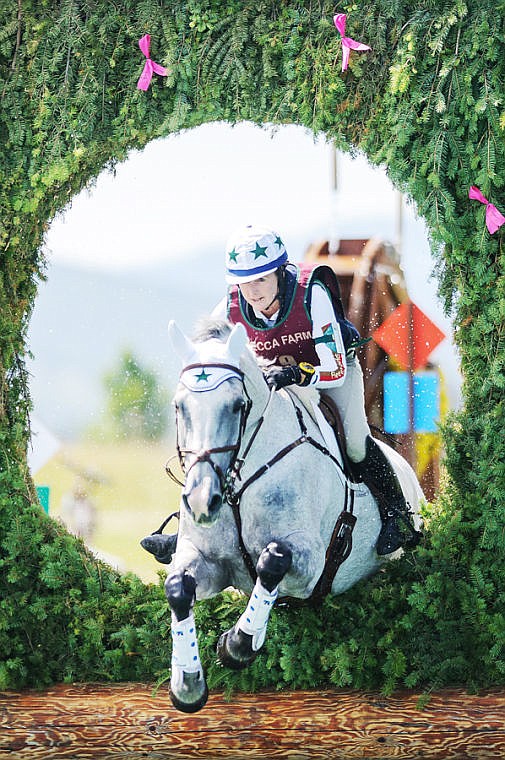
{"x":126,"y":721}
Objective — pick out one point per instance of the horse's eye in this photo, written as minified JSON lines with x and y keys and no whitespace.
{"x":179,"y":410}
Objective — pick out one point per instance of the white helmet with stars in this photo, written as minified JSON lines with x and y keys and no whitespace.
{"x":253,"y":252}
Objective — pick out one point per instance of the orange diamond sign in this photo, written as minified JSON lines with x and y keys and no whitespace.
{"x":409,"y":336}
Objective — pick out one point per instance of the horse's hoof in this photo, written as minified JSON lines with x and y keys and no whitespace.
{"x":244,"y":650}
{"x":189,"y":707}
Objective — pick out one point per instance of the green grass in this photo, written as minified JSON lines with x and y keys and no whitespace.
{"x":131,"y":492}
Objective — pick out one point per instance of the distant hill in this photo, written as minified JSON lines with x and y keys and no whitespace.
{"x":84,"y":318}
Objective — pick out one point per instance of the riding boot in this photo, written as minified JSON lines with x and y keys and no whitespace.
{"x":377,"y":473}
{"x":162,"y":546}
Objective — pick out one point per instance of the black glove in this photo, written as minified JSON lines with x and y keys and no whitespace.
{"x":280,"y":377}
{"x":293,"y":374}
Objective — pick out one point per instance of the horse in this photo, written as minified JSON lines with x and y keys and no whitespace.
{"x":265,"y":488}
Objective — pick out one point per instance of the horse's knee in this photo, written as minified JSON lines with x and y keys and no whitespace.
{"x":273,"y":564}
{"x":180,"y":592}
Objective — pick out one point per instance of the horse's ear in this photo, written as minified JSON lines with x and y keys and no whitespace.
{"x":237,"y":340}
{"x":180,"y":343}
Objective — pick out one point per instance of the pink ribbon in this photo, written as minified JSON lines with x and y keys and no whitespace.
{"x":494,"y":219}
{"x":150,"y":66}
{"x":348,"y":44}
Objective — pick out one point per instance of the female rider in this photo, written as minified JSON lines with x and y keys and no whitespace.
{"x":295,"y":319}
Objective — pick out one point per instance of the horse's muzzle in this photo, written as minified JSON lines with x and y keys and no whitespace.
{"x":203,"y":502}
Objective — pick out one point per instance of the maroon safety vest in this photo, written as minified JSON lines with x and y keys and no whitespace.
{"x":289,"y":342}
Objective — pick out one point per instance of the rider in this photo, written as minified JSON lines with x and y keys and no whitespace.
{"x":295,"y":319}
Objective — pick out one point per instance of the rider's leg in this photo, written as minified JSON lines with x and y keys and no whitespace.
{"x":378,"y":474}
{"x":370,"y":462}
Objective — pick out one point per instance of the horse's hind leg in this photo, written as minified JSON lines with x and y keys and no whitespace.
{"x":239,"y":646}
{"x":188,"y":689}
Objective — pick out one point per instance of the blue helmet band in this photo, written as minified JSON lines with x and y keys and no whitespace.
{"x":267,"y":267}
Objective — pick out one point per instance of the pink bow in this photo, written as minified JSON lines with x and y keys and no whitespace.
{"x":347,"y":42}
{"x":494,"y":219}
{"x":150,"y":66}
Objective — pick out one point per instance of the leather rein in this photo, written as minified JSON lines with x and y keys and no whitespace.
{"x":341,"y":540}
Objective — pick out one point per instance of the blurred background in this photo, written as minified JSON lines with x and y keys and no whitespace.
{"x":145,"y":245}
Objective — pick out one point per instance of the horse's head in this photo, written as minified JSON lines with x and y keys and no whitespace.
{"x":210,"y":404}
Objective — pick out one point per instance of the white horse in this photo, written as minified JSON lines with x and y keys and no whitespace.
{"x":259,"y":454}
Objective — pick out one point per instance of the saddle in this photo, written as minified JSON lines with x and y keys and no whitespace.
{"x":331,"y":414}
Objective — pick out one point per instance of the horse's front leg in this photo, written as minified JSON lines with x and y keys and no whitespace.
{"x":188,"y":689}
{"x":239,"y":646}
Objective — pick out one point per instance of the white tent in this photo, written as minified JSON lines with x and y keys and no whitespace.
{"x":42,"y":446}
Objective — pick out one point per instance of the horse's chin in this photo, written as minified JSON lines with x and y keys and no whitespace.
{"x":205,"y":521}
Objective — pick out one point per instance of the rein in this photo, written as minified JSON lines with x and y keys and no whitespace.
{"x":235,"y":496}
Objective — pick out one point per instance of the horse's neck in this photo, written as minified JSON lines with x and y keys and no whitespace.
{"x":277,"y":411}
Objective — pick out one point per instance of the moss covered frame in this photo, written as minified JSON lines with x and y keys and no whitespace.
{"x":427,"y":102}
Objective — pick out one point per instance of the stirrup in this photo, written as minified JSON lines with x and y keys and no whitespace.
{"x":391,"y":537}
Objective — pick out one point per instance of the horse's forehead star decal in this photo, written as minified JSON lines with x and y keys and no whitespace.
{"x":205,"y":378}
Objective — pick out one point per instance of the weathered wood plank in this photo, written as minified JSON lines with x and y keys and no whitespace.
{"x":88,"y":721}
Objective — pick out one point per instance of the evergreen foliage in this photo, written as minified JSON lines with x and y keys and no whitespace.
{"x":428,"y":102}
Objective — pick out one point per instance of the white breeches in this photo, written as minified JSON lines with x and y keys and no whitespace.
{"x":350,"y":401}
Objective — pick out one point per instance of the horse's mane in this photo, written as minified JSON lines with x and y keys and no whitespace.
{"x":209,"y":328}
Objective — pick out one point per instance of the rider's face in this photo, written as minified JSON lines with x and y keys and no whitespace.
{"x":260,"y":293}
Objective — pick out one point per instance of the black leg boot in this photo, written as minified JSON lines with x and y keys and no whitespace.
{"x":162,"y":546}
{"x":378,"y":474}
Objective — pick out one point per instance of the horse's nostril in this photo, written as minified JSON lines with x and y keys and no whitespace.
{"x":186,"y":503}
{"x":215,"y":504}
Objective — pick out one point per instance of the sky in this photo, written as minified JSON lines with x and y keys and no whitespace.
{"x":194,"y":188}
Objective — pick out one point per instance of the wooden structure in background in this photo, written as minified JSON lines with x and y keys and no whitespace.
{"x":109,"y":722}
{"x":373,"y":286}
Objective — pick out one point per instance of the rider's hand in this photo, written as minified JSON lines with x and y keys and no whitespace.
{"x":280,"y":377}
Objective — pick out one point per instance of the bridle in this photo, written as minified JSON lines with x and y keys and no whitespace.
{"x":205,"y":455}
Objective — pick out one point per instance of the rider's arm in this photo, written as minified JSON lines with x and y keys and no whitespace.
{"x":327,"y":336}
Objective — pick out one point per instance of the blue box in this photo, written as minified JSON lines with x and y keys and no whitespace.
{"x":43,"y":494}
{"x":426,"y":386}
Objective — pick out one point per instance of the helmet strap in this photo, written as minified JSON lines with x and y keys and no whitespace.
{"x":281,"y":287}
{"x":274,"y":299}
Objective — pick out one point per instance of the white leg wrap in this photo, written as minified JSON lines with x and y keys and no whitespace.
{"x":185,"y":655}
{"x":254,"y":620}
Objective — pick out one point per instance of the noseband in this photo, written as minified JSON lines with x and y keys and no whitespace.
{"x":205,"y":455}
